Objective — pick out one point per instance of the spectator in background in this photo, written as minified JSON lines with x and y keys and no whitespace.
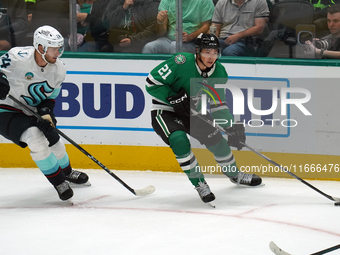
{"x":237,"y":23}
{"x":84,"y":7}
{"x":197,"y":17}
{"x":29,"y":9}
{"x":132,"y":24}
{"x":320,"y":15}
{"x":13,"y":23}
{"x":269,"y":3}
{"x":328,"y":46}
{"x":97,"y":34}
{"x":55,"y":13}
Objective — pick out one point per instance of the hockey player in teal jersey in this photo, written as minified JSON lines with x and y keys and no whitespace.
{"x":34,"y":75}
{"x":177,"y":85}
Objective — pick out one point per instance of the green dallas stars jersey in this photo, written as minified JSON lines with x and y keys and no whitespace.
{"x":181,"y":71}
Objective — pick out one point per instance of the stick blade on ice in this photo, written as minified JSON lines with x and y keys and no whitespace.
{"x":146,"y":191}
{"x":277,"y":250}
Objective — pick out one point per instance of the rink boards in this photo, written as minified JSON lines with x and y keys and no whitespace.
{"x":104,"y":107}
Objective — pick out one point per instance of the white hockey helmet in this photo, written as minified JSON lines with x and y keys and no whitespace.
{"x":48,"y":36}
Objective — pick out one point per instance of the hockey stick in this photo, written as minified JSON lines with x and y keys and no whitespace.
{"x":327,"y":250}
{"x":138,"y":192}
{"x":278,"y":251}
{"x":195,"y":113}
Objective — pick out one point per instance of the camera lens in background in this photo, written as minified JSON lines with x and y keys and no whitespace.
{"x":322,"y":44}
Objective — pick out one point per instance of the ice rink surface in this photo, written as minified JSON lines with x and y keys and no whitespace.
{"x":107,"y":219}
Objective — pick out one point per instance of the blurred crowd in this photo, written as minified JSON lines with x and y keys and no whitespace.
{"x":252,"y":28}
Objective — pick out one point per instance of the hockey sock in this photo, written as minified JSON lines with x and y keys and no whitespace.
{"x":225,"y":158}
{"x":58,"y":149}
{"x":56,"y":178}
{"x":42,"y":155}
{"x":65,"y":165}
{"x":180,"y":145}
{"x":191,"y":168}
{"x":51,"y":169}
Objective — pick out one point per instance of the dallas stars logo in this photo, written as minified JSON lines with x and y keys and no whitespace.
{"x":180,"y":59}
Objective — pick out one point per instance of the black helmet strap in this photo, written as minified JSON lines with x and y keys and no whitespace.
{"x":207,"y":69}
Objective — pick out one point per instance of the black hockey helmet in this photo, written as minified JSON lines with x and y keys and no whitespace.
{"x":207,"y":41}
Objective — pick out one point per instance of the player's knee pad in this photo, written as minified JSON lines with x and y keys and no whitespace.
{"x":179,"y":143}
{"x":37,"y":143}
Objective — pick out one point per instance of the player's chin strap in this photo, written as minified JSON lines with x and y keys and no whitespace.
{"x":43,"y":55}
{"x":207,"y":69}
{"x":200,"y":60}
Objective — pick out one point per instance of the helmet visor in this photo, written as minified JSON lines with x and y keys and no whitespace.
{"x":210,"y":53}
{"x":55,"y":52}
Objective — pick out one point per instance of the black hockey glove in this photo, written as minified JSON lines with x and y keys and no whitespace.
{"x":48,"y":121}
{"x":237,"y":135}
{"x":4,"y":86}
{"x":180,"y":103}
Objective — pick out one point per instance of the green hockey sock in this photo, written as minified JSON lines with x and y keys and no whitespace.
{"x":180,"y":145}
{"x":194,"y":173}
{"x":225,"y":158}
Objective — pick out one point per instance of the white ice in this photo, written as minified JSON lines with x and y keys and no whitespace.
{"x":107,"y":219}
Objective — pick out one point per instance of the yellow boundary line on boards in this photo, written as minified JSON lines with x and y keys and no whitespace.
{"x":118,"y":157}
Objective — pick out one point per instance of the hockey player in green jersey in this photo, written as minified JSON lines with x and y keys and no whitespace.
{"x":177,"y":85}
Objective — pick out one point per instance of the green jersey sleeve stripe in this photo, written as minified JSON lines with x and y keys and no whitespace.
{"x":153,"y":80}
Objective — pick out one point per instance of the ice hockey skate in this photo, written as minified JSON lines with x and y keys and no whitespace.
{"x":246,"y":179}
{"x":64,"y":191}
{"x":78,"y":177}
{"x":205,"y":194}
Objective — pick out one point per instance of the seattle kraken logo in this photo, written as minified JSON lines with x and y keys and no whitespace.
{"x":38,"y":93}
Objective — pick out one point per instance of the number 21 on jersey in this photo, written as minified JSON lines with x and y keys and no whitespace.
{"x":164,"y":71}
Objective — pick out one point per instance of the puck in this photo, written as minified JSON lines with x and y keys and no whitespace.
{"x":337,"y":204}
